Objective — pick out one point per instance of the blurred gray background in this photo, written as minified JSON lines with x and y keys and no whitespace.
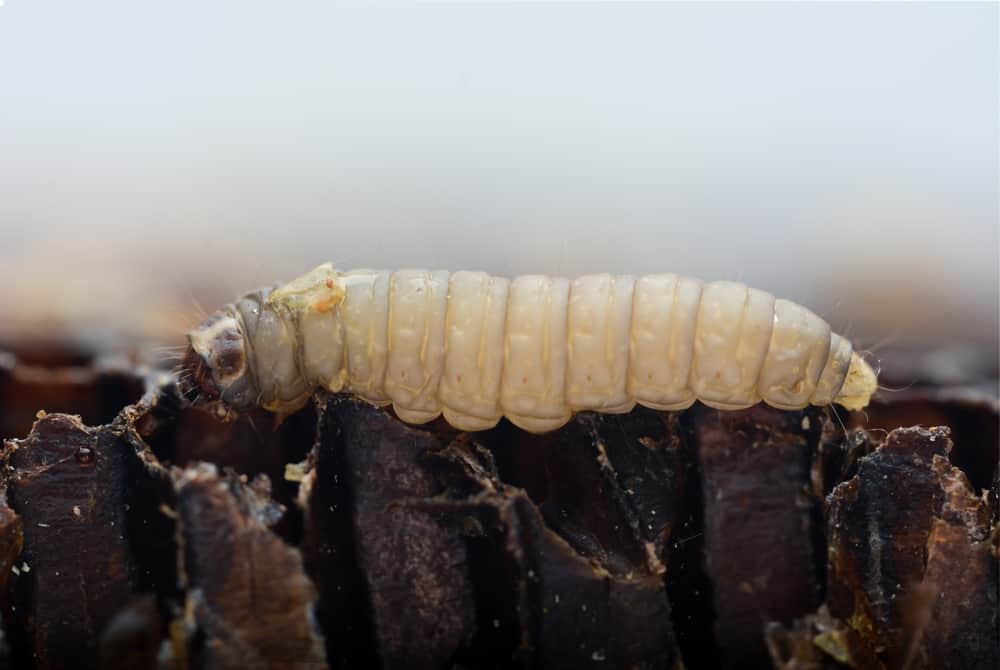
{"x":158,"y":155}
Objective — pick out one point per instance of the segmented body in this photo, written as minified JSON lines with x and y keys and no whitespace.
{"x":476,"y":347}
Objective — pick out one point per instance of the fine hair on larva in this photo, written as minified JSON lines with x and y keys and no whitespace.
{"x":535,"y":349}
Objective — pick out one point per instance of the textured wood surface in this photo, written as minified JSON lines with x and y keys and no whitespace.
{"x":149,"y":534}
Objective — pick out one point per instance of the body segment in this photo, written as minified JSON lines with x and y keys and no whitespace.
{"x":535,"y":349}
{"x":599,"y":323}
{"x":533,"y":383}
{"x":418,"y":303}
{"x":474,"y":350}
{"x":731,"y":340}
{"x":661,"y":342}
{"x":365,"y":314}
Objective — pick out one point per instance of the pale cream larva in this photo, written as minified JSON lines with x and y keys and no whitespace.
{"x":474,"y":348}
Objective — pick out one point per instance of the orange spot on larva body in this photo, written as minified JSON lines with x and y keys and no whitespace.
{"x":323,"y":306}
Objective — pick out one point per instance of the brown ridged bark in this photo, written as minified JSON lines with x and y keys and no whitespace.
{"x":749,"y":539}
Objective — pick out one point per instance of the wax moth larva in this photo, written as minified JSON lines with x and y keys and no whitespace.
{"x":474,"y":348}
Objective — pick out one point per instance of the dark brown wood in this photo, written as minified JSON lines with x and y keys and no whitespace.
{"x":761,"y":522}
{"x":67,"y":483}
{"x":912,"y":565}
{"x":818,"y":642}
{"x":247,"y":591}
{"x":342,"y":537}
{"x":394,"y":579}
{"x":564,"y":603}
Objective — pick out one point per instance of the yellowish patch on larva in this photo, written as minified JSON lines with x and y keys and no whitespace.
{"x":317,"y":291}
{"x":860,"y":384}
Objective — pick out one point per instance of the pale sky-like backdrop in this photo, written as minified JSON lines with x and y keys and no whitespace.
{"x":843,"y":155}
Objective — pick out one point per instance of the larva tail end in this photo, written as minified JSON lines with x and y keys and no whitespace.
{"x":860,"y":384}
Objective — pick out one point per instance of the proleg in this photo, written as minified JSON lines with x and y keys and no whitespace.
{"x":475,"y":348}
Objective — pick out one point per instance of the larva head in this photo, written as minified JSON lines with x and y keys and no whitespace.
{"x":859,"y":385}
{"x":216,"y":367}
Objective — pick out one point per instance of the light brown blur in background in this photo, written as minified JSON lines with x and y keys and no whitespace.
{"x":155,"y":156}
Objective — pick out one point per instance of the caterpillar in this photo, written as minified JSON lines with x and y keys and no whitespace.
{"x":535,"y":349}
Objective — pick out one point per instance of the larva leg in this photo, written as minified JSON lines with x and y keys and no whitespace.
{"x":532,"y":390}
{"x":661,"y":340}
{"x":733,"y":333}
{"x":418,"y":301}
{"x":600,"y":314}
{"x":474,"y":334}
